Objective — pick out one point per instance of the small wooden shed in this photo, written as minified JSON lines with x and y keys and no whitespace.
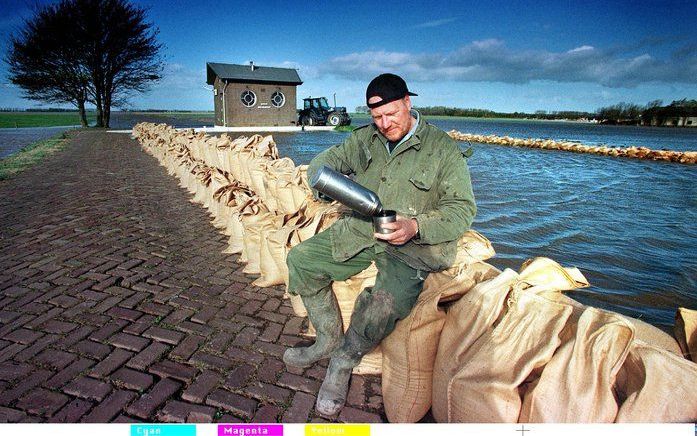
{"x":253,"y":95}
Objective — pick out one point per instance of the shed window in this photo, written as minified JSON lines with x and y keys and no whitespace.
{"x":278,"y":99}
{"x":248,"y":98}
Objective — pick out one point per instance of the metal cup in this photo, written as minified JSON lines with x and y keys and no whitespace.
{"x":385,"y":216}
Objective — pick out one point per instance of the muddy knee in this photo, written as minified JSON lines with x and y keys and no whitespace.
{"x":375,"y":315}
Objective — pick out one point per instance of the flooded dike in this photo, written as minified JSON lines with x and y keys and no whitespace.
{"x":629,"y":225}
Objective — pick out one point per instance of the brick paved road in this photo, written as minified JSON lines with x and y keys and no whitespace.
{"x":116,"y":304}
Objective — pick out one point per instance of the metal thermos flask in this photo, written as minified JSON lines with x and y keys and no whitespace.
{"x":347,"y":192}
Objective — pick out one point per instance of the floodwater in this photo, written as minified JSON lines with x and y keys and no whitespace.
{"x":13,"y":140}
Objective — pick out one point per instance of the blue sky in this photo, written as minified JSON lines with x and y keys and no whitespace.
{"x":505,"y":56}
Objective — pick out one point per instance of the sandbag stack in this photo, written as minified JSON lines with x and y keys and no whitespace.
{"x":513,"y":348}
{"x":633,"y":152}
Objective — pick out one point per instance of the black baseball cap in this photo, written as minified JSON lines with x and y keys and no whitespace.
{"x":389,"y":87}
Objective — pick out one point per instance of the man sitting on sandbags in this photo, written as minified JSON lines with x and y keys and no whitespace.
{"x":417,"y":170}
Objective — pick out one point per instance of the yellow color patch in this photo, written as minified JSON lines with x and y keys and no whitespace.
{"x":337,"y":430}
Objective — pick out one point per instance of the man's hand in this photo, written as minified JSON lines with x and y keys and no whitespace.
{"x":404,"y":230}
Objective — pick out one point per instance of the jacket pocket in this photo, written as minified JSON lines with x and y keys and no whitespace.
{"x":423,"y":179}
{"x":423,"y":197}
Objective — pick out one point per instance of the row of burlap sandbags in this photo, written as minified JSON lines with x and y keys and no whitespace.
{"x":253,"y":196}
{"x":262,"y":202}
{"x":513,"y":348}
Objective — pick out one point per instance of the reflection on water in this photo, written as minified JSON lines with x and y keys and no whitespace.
{"x":629,"y":225}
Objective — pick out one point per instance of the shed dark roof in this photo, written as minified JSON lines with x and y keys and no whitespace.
{"x":244,"y":73}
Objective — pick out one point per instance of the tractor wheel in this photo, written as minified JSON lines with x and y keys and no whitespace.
{"x":334,"y":119}
{"x":307,"y":121}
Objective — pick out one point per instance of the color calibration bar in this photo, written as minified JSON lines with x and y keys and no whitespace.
{"x":350,"y":429}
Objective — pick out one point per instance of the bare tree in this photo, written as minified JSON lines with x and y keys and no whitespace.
{"x":48,"y":68}
{"x":121,"y":51}
{"x":106,"y":49}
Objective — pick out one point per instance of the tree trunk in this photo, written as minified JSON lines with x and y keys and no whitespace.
{"x":81,"y":110}
{"x":98,"y":102}
{"x":106,"y":113}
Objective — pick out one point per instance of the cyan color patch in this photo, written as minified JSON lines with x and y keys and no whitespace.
{"x":163,"y":430}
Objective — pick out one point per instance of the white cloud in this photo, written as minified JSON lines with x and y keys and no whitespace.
{"x":491,"y":60}
{"x":580,"y":49}
{"x":434,"y":23}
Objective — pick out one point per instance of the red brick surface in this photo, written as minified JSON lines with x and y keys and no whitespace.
{"x":117,"y":304}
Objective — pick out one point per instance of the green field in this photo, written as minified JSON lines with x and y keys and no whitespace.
{"x":30,"y":155}
{"x":42,"y":119}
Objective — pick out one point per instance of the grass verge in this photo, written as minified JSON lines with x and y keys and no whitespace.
{"x":42,"y":119}
{"x":30,"y":155}
{"x":348,"y":128}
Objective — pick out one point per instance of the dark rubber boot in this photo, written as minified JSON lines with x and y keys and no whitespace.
{"x":332,"y":394}
{"x":373,"y":318}
{"x":323,"y":311}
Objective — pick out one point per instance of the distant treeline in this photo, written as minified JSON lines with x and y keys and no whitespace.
{"x":38,"y":109}
{"x":653,"y":113}
{"x":485,"y":113}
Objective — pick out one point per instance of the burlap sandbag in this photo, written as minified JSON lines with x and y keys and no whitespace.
{"x":219,"y":178}
{"x":235,"y":244}
{"x":290,"y":190}
{"x":545,"y":271}
{"x":273,"y":170}
{"x":410,"y":350}
{"x":248,"y":150}
{"x":211,"y":152}
{"x":191,"y":179}
{"x":256,"y":226}
{"x":643,"y":331}
{"x":222,"y":146}
{"x":264,"y":147}
{"x":244,"y":157}
{"x":257,"y":173}
{"x":686,"y":332}
{"x":319,"y":216}
{"x":656,"y":386}
{"x":466,"y":320}
{"x":485,"y":386}
{"x":274,"y":250}
{"x":222,"y":208}
{"x":237,"y":239}
{"x":235,"y":196}
{"x":472,"y":247}
{"x":234,"y":161}
{"x":576,"y":386}
{"x":203,"y":177}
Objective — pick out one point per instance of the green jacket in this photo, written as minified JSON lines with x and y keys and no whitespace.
{"x":425,"y":178}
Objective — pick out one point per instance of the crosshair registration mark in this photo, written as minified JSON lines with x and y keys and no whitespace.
{"x":522,"y":430}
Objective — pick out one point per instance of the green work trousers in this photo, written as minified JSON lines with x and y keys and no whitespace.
{"x":312,"y":269}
